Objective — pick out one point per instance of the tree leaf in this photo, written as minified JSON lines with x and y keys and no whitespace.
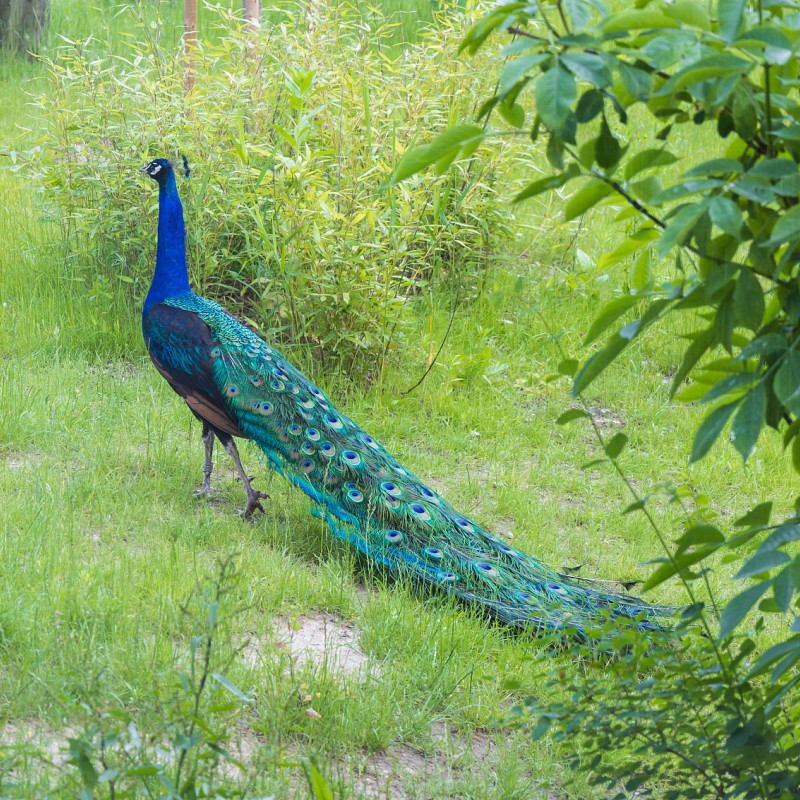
{"x":726,"y":215}
{"x":607,"y":150}
{"x":680,"y":226}
{"x":579,"y":12}
{"x":745,"y":117}
{"x":711,"y":67}
{"x":748,"y":300}
{"x":764,"y":345}
{"x":615,"y":445}
{"x":586,"y":197}
{"x":690,"y":13}
{"x":555,"y":92}
{"x":701,"y":342}
{"x":589,"y":106}
{"x":610,"y":312}
{"x":678,"y":564}
{"x":787,"y":382}
{"x":545,"y":185}
{"x":516,"y":69}
{"x":782,"y":590}
{"x":638,"y":19}
{"x":700,"y":534}
{"x":783,"y":534}
{"x":748,"y":421}
{"x":729,"y":384}
{"x":598,"y":362}
{"x":638,"y":83}
{"x":715,"y":166}
{"x":762,"y":562}
{"x":635,"y":242}
{"x":787,"y":227}
{"x":648,"y":159}
{"x":569,"y":366}
{"x":737,"y":609}
{"x":758,"y":516}
{"x":571,"y":416}
{"x":730,"y":13}
{"x":774,"y":653}
{"x":725,"y":321}
{"x":709,"y":431}
{"x":513,"y":114}
{"x":768,"y":41}
{"x":589,"y":67}
{"x":641,"y":276}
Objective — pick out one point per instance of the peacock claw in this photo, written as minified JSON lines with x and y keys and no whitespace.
{"x":254,"y":498}
{"x":204,"y":488}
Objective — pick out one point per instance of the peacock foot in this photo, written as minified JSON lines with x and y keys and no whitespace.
{"x":254,"y":498}
{"x":204,"y":489}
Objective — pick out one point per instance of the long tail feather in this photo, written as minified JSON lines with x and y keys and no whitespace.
{"x":371,"y":501}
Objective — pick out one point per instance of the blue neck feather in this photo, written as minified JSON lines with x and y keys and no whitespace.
{"x":170,"y":278}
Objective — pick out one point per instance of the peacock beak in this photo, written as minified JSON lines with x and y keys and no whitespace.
{"x":144,"y":168}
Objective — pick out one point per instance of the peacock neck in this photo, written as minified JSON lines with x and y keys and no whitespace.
{"x":170,"y":277}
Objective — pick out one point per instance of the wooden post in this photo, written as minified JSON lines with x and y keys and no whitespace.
{"x":252,"y":15}
{"x":22,"y":23}
{"x":189,"y":43}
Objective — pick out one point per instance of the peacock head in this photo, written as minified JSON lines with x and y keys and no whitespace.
{"x":158,"y":169}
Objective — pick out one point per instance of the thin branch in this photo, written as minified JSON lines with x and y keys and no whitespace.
{"x":560,"y":7}
{"x":438,"y":352}
{"x":514,"y":30}
{"x":620,"y":190}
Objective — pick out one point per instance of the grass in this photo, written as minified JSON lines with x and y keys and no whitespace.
{"x":103,"y":541}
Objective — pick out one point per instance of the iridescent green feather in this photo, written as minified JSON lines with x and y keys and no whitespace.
{"x":376,"y":504}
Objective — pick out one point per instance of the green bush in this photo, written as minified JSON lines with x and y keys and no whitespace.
{"x":292,"y":135}
{"x":718,"y":718}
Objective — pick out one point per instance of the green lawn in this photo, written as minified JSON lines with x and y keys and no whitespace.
{"x":102,"y":542}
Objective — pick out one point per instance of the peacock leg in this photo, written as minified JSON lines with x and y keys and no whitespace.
{"x":254,"y":497}
{"x":208,"y":441}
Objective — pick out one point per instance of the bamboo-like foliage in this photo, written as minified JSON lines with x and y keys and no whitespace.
{"x":292,"y":138}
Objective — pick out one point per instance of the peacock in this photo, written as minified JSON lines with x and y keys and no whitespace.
{"x":238,"y":385}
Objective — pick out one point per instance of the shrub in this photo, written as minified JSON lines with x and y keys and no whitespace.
{"x":292,"y":135}
{"x":724,"y":722}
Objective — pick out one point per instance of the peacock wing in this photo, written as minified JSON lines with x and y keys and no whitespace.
{"x":180,"y":343}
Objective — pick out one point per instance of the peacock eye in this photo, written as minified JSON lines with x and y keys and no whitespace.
{"x":351,"y":458}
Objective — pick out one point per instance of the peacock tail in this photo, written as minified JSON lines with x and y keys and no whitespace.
{"x":241,"y":386}
{"x":373,"y":502}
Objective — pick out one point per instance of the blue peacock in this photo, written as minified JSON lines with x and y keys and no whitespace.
{"x":237,"y":385}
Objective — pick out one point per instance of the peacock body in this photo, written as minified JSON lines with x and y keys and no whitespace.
{"x":237,"y":385}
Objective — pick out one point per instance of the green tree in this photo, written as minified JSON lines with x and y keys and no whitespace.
{"x":573,"y":72}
